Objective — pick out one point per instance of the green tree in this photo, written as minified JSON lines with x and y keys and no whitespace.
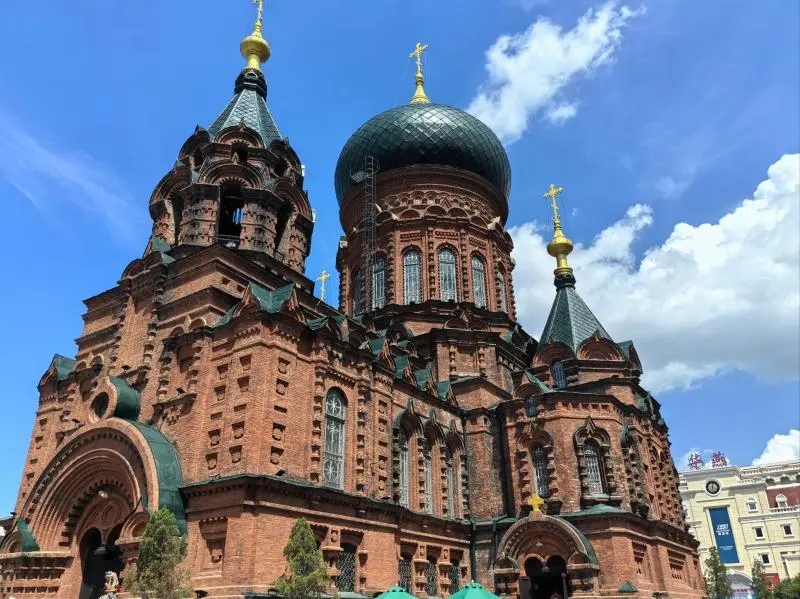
{"x":717,"y":584}
{"x":760,"y":586}
{"x":158,"y":571}
{"x":305,"y":576}
{"x":788,"y":588}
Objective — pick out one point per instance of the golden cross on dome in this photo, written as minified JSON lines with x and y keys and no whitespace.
{"x":322,"y":278}
{"x":260,"y":17}
{"x":552,"y":194}
{"x":536,"y":502}
{"x":418,"y":54}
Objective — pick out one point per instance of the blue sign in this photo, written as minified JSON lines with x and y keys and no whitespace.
{"x":723,"y":534}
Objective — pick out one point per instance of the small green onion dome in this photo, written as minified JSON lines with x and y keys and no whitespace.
{"x":427,"y":134}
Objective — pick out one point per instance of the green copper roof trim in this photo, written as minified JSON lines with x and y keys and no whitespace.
{"x":248,"y":105}
{"x":29,"y":542}
{"x":128,"y":400}
{"x":272,"y":301}
{"x":627,"y":587}
{"x":539,"y":384}
{"x":443,"y":388}
{"x":159,"y":245}
{"x":168,"y":468}
{"x":400,"y":364}
{"x":570,"y":320}
{"x":586,"y":543}
{"x":423,"y":375}
{"x":625,"y":348}
{"x":63,"y":366}
{"x":599,"y":509}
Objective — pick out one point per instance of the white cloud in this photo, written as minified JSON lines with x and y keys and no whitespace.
{"x":780,"y":448}
{"x":712,"y":297}
{"x":49,"y":178}
{"x":529,"y":72}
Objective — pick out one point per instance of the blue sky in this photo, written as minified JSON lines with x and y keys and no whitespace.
{"x":650,"y":115}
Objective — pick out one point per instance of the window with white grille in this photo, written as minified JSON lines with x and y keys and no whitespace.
{"x":402,"y":475}
{"x":379,"y":283}
{"x":333,"y":454}
{"x":530,"y":406}
{"x":447,"y":276}
{"x":479,"y":281}
{"x":501,"y":291}
{"x":594,"y":474}
{"x":412,"y":276}
{"x":540,"y":471}
{"x":558,"y":375}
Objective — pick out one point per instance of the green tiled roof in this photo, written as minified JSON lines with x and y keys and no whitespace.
{"x":443,"y":388}
{"x":63,"y":366}
{"x":596,"y":510}
{"x":541,"y":386}
{"x":627,"y":587}
{"x":29,"y":542}
{"x":415,"y":134}
{"x":268,"y":301}
{"x":249,"y":104}
{"x":423,"y":375}
{"x":128,"y":401}
{"x":625,"y":346}
{"x":571,"y":321}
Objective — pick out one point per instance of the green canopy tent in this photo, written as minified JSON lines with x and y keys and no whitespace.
{"x":396,"y":592}
{"x":473,"y":590}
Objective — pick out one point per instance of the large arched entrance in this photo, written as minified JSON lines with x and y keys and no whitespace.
{"x":545,"y":557}
{"x":548,"y":580}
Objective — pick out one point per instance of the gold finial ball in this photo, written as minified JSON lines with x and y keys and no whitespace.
{"x":255,"y":45}
{"x":560,"y":245}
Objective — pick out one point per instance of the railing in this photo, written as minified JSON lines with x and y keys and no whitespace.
{"x":229,"y":241}
{"x":784,"y":510}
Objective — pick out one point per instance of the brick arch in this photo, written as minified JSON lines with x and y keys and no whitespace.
{"x":598,"y":348}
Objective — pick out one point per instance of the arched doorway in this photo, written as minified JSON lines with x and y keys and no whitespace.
{"x":97,"y":558}
{"x":547,"y":580}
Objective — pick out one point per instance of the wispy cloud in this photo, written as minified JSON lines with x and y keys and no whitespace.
{"x":529,"y":73}
{"x":51,"y":179}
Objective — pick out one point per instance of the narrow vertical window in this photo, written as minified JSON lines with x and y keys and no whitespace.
{"x":432,"y":578}
{"x":355,"y":292}
{"x":450,"y":479}
{"x":428,"y":465}
{"x":540,"y":471}
{"x":530,"y":406}
{"x":594,"y":473}
{"x":346,"y":581}
{"x":333,"y":458}
{"x":455,"y":576}
{"x":447,"y":276}
{"x":379,"y":283}
{"x":412,"y":271}
{"x":403,"y":470}
{"x":501,"y":291}
{"x":404,"y":572}
{"x":479,"y":281}
{"x":558,"y":376}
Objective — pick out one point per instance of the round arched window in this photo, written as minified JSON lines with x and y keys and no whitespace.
{"x":99,"y":407}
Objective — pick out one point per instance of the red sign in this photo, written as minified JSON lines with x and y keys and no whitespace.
{"x":772,"y":579}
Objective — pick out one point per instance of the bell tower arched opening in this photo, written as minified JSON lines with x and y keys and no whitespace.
{"x":548,"y":580}
{"x":231,"y":213}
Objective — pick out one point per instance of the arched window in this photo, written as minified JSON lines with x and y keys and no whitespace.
{"x":231,"y":214}
{"x":355,"y":292}
{"x":379,"y":283}
{"x":447,"y":276}
{"x":402,"y":474}
{"x":594,"y":472}
{"x":780,"y":501}
{"x":501,"y":291}
{"x":752,"y":505}
{"x":346,"y":581}
{"x":450,"y":479}
{"x":558,"y":376}
{"x":412,"y":276}
{"x":333,"y":458}
{"x":427,"y":460}
{"x":540,"y":471}
{"x":479,"y":281}
{"x":530,"y":406}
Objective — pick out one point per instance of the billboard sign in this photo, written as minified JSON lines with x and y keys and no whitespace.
{"x":723,"y":535}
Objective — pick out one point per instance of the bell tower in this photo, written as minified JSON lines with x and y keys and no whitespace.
{"x":238,"y":183}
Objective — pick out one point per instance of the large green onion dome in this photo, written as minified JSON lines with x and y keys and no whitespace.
{"x":425,"y":133}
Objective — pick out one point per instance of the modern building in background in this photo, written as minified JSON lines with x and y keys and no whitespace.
{"x":750,"y":513}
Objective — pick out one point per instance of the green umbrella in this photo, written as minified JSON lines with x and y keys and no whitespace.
{"x":396,"y":592}
{"x":473,"y":590}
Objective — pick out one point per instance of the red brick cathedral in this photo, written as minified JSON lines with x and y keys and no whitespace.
{"x":426,"y":437}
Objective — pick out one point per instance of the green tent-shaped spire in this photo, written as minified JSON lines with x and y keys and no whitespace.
{"x":248,"y":106}
{"x":570,"y":321}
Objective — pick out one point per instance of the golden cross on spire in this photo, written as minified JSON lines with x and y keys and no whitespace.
{"x":553,"y":193}
{"x":536,"y":503}
{"x":260,"y":17}
{"x":419,"y":95}
{"x":322,"y":278}
{"x":254,"y":47}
